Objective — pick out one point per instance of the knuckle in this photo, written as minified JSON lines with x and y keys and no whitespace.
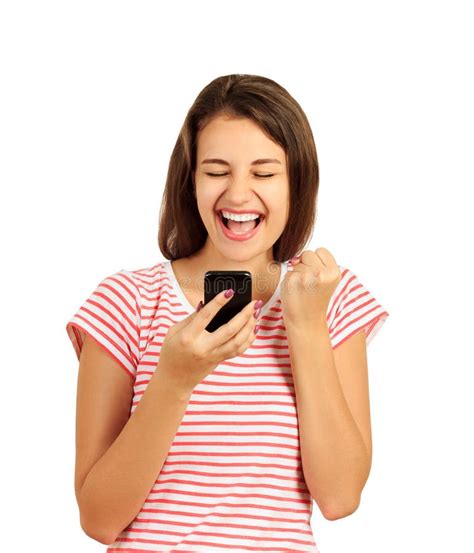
{"x":232,"y":328}
{"x":243,"y":343}
{"x":204,"y":313}
{"x":199,"y":353}
{"x":247,"y":342}
{"x":236,"y":344}
{"x":232,"y":343}
{"x":184,"y":339}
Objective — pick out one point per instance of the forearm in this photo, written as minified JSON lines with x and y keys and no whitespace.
{"x":119,"y":483}
{"x":334,"y":457}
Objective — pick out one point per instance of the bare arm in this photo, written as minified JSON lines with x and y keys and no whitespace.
{"x":118,"y":458}
{"x":336,"y":461}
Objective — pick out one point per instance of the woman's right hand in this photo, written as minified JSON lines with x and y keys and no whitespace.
{"x":189,"y":352}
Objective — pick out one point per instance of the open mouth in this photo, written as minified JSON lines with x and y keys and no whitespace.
{"x":225,"y":221}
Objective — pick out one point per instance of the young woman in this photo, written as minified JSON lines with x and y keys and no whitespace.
{"x":194,"y":441}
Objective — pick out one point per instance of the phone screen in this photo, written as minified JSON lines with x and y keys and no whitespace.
{"x":217,"y":281}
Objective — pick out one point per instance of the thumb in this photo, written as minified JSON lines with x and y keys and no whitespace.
{"x":295,"y":260}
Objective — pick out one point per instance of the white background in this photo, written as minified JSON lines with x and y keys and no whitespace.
{"x":93,"y":95}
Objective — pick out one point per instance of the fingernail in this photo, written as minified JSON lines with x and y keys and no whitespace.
{"x":228,"y":293}
{"x":255,"y":329}
{"x":256,"y":313}
{"x":258,"y":304}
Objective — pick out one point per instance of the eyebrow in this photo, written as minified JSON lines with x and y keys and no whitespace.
{"x":256,"y":162}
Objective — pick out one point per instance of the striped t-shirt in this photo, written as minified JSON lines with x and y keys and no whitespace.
{"x":233,"y":479}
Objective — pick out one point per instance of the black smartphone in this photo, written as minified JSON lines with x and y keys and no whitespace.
{"x":217,"y":281}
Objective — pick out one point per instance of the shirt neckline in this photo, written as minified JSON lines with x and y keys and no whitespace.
{"x":185,"y":303}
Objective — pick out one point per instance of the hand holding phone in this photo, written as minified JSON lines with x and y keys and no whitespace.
{"x":189,"y":352}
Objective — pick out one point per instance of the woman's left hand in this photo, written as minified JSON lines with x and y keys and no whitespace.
{"x":307,"y":289}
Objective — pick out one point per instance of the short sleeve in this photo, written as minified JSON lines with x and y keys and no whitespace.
{"x":111,"y":316}
{"x":353,"y":308}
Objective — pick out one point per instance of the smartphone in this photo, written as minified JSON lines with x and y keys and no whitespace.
{"x":217,"y":281}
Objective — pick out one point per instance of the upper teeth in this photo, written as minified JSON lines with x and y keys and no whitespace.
{"x":242,"y":217}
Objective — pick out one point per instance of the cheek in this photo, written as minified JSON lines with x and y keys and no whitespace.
{"x":207,"y":199}
{"x":277,"y":205}
{"x":276,"y":219}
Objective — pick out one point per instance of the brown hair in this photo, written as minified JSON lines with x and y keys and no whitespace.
{"x":181,"y":230}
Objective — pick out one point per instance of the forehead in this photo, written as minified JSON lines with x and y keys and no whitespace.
{"x":232,"y":138}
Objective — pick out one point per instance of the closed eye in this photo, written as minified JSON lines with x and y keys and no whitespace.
{"x":256,"y":174}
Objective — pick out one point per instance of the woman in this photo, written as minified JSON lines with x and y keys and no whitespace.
{"x":190,"y":440}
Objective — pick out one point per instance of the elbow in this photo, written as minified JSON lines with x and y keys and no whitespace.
{"x":93,"y":523}
{"x":97,"y":534}
{"x":335,"y":512}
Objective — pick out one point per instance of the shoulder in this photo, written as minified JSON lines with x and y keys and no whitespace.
{"x":352,"y":307}
{"x":346,"y":288}
{"x":150,"y":283}
{"x":147,"y":279}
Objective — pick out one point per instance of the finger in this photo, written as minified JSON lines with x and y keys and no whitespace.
{"x":238,"y":343}
{"x":295,"y":260}
{"x":203,"y":317}
{"x":311,"y":259}
{"x":306,"y":262}
{"x":230,"y":329}
{"x":326,"y":257}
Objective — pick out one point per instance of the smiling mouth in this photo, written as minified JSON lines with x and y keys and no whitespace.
{"x":225,"y":221}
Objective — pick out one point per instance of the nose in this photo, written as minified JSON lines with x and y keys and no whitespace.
{"x":239,"y":190}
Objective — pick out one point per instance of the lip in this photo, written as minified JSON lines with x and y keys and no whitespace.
{"x":240,"y":211}
{"x":238,"y":237}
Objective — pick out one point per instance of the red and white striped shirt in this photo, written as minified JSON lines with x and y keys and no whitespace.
{"x":233,"y":479}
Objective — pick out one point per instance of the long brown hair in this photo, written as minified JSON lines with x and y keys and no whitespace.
{"x":181,"y":230}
